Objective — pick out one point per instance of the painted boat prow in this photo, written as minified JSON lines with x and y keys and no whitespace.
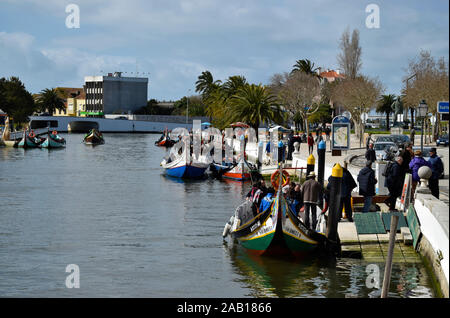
{"x":257,"y":234}
{"x":180,"y":168}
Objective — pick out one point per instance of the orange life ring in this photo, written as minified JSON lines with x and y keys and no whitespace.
{"x":274,"y":179}
{"x":54,"y":132}
{"x":31,"y":134}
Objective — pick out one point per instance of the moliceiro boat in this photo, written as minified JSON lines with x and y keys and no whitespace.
{"x":53,"y":140}
{"x":240,"y":171}
{"x":30,"y":140}
{"x":183,"y":166}
{"x":94,"y":137}
{"x":276,"y":230}
{"x":164,"y":140}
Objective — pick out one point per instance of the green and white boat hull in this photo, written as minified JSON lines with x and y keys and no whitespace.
{"x":260,"y":239}
{"x":295,"y":233}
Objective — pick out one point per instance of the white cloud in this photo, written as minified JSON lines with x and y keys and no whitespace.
{"x":176,"y":40}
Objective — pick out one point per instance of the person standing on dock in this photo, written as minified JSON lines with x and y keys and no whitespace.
{"x":370,"y":153}
{"x":395,"y":176}
{"x":281,"y":151}
{"x":348,"y":184}
{"x":369,"y":141}
{"x":327,"y":135}
{"x":310,"y":143}
{"x":437,"y":168}
{"x":291,"y":141}
{"x":412,"y":135}
{"x":416,"y":163}
{"x":311,"y":190}
{"x":407,"y":155}
{"x":367,"y":182}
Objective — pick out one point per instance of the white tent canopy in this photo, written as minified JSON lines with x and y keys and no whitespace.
{"x":280,"y":128}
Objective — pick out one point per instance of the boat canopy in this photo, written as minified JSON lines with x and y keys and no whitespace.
{"x":280,"y":129}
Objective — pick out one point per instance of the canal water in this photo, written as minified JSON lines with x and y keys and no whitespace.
{"x":132,"y":232}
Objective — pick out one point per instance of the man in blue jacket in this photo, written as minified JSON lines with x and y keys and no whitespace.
{"x":437,"y":168}
{"x":367,"y":182}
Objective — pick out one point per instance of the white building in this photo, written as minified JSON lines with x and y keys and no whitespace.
{"x":114,"y":94}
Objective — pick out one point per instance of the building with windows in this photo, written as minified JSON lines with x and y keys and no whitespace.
{"x":114,"y":94}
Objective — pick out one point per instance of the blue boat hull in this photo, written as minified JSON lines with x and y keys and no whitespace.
{"x":189,"y":172}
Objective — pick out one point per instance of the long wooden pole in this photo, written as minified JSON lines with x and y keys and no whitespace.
{"x":333,"y":211}
{"x":388,"y":268}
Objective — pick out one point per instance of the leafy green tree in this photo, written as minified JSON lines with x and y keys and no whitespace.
{"x":49,"y":100}
{"x":384,"y":106}
{"x":254,"y":105}
{"x":153,"y":108}
{"x":196,"y":106}
{"x":15,"y":100}
{"x":322,"y":115}
{"x":298,"y":121}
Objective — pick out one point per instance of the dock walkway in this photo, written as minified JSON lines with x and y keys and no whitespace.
{"x":374,"y":247}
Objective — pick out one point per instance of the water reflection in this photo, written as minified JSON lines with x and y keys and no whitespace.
{"x":321,"y":277}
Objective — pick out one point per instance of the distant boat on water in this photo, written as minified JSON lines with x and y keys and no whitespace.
{"x":94,"y":137}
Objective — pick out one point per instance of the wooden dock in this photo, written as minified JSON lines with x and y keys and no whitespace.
{"x":374,"y":247}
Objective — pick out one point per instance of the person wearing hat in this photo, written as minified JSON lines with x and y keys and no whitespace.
{"x":437,"y":167}
{"x":310,"y":190}
{"x":367,"y":181}
{"x":416,"y":163}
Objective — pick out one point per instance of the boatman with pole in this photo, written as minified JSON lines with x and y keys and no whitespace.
{"x":333,"y":212}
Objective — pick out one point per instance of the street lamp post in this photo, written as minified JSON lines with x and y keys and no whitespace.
{"x":422,"y":110}
{"x":187,"y":107}
{"x":407,"y":86}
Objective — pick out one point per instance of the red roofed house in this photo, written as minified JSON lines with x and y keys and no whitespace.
{"x":330,"y":76}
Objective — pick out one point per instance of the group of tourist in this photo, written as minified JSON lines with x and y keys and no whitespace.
{"x":406,"y":161}
{"x":305,"y":197}
{"x":301,"y":198}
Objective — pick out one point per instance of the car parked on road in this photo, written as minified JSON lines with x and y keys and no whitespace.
{"x":383,"y":148}
{"x":384,"y":139}
{"x":442,"y":140}
{"x":400,"y":140}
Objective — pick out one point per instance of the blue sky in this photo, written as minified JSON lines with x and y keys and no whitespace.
{"x":174,"y":41}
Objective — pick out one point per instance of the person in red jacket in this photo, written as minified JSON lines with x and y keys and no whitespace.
{"x":310,"y":143}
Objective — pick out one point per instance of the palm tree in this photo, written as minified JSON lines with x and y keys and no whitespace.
{"x":233,"y":84}
{"x":50,"y":101}
{"x":253,"y":104}
{"x":305,"y":66}
{"x":205,"y":84}
{"x":385,"y":106}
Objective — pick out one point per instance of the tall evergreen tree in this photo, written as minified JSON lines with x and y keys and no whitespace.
{"x":15,"y":100}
